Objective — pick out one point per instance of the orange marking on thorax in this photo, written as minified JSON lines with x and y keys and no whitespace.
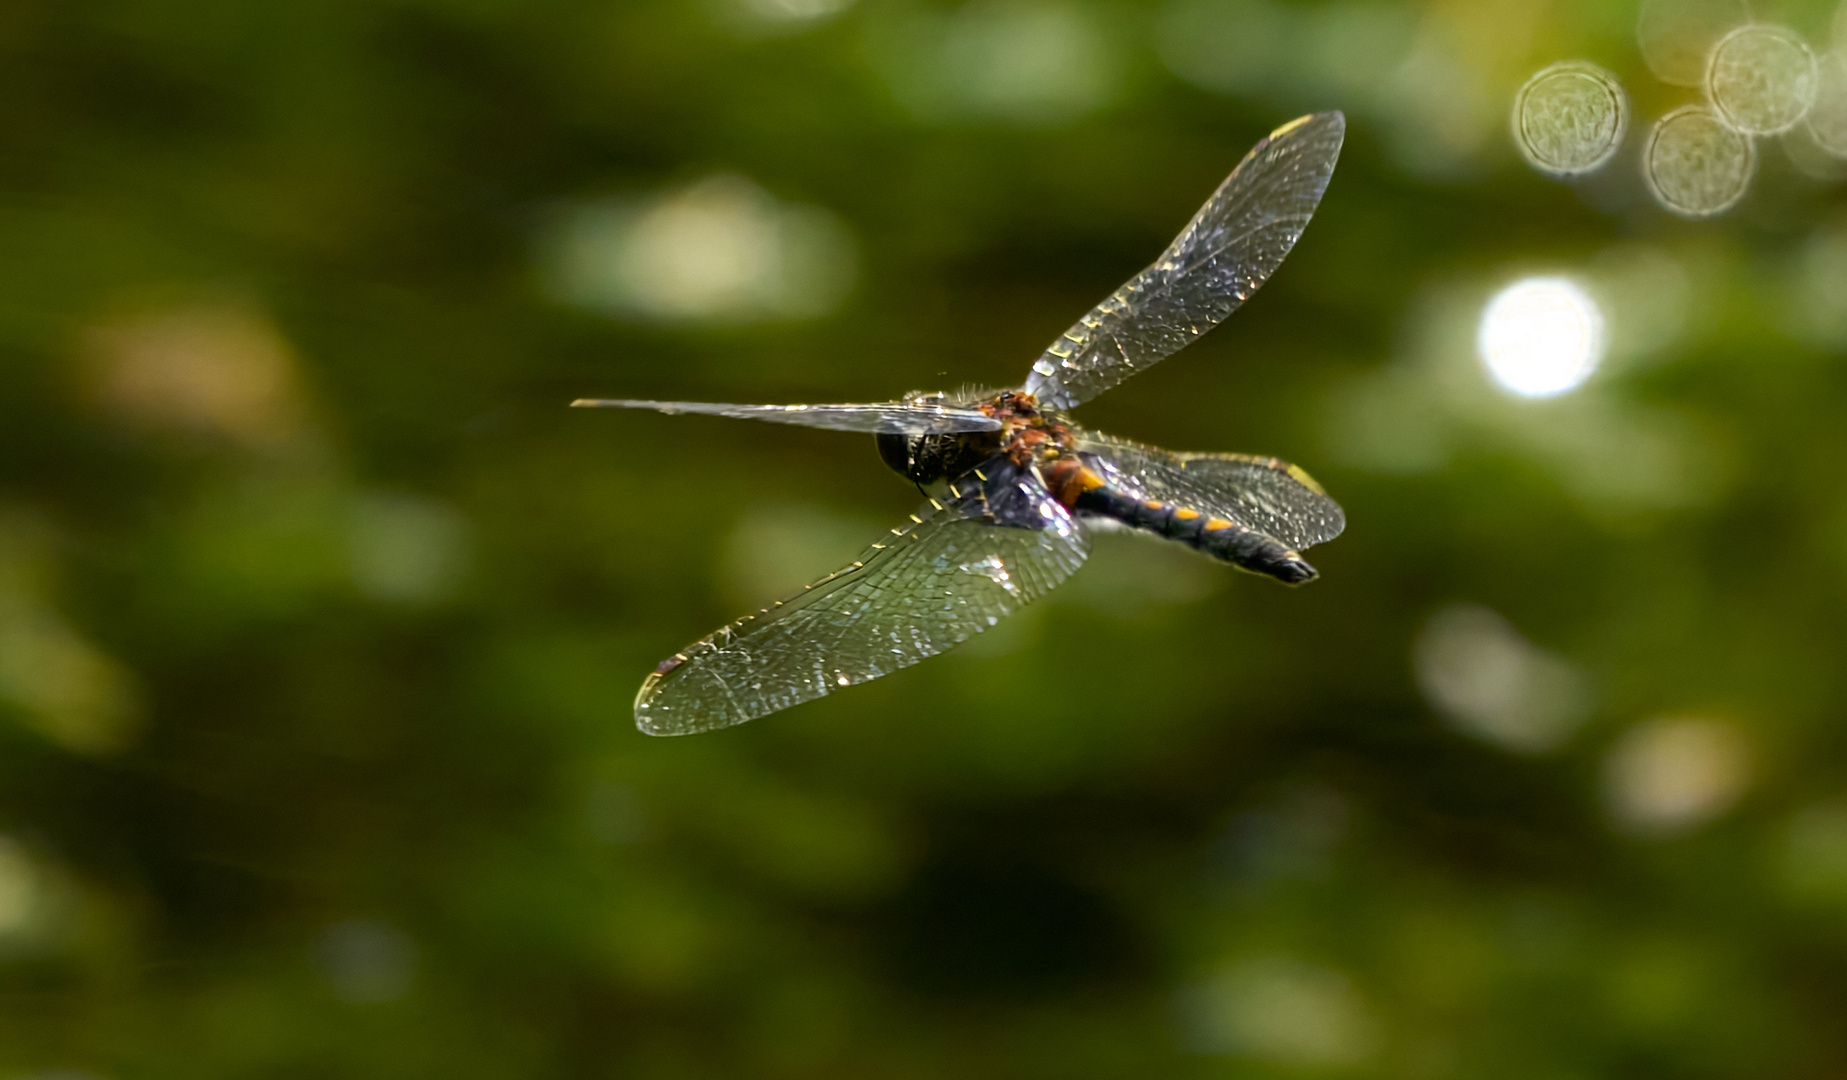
{"x":1068,"y":479}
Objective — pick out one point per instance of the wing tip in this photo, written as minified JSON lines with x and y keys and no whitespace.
{"x":661,"y":727}
{"x":677,"y":718}
{"x":643,"y":721}
{"x":1333,"y":118}
{"x":1301,"y":476}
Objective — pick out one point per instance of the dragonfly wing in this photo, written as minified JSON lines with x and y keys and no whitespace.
{"x":1230,"y":248}
{"x":879,"y":418}
{"x":996,"y":542}
{"x":1269,"y":495}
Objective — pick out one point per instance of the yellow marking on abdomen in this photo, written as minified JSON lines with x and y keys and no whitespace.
{"x":1186,"y":515}
{"x":1152,"y":504}
{"x":1215,"y":524}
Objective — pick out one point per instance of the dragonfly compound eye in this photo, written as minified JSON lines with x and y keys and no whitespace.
{"x":900,"y":453}
{"x":927,"y":458}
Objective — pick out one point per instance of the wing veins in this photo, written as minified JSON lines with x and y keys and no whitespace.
{"x":1268,"y":200}
{"x":937,"y":583}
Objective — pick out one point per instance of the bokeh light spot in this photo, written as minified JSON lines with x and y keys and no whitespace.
{"x":220,"y":370}
{"x":1229,"y":46}
{"x":719,"y":250}
{"x":406,"y":548}
{"x":1491,"y":683}
{"x":1815,"y":298}
{"x":1541,"y":336}
{"x":366,"y":961}
{"x":1570,"y":118}
{"x":1278,"y":1010}
{"x":19,"y":888}
{"x":1677,"y":36}
{"x":793,"y":11}
{"x":1827,"y":118}
{"x":1035,"y":62}
{"x":53,"y":678}
{"x":1762,"y":79}
{"x":1810,"y":158}
{"x":1670,"y":775}
{"x":1695,"y":165}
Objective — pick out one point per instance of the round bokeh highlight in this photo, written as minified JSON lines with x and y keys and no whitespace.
{"x":1762,"y":79}
{"x":1827,"y":118}
{"x":1695,"y":165}
{"x":1570,"y":118}
{"x":1540,"y":337}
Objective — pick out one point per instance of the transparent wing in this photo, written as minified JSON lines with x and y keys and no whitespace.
{"x":1231,"y":248}
{"x":1271,"y":496}
{"x":996,"y":542}
{"x":882,"y":418}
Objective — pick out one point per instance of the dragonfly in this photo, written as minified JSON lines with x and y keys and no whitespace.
{"x":1014,"y":485}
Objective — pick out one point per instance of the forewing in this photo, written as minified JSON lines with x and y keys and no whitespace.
{"x":1269,"y":495}
{"x":1230,"y":248}
{"x":996,"y":542}
{"x":879,"y":418}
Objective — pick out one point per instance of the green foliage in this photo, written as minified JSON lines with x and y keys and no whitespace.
{"x":321,"y":615}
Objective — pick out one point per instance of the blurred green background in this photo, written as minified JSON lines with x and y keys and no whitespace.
{"x":321,"y":615}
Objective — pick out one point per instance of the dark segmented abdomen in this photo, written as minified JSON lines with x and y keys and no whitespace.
{"x":1237,"y":544}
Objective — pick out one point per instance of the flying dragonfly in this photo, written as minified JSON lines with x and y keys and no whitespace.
{"x":1014,"y":484}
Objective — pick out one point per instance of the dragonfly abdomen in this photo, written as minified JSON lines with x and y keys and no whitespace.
{"x":1237,"y":544}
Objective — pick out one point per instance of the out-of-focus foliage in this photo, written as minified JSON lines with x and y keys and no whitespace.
{"x":320,"y":615}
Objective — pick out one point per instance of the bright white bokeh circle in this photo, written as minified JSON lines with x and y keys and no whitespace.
{"x":1541,"y":336}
